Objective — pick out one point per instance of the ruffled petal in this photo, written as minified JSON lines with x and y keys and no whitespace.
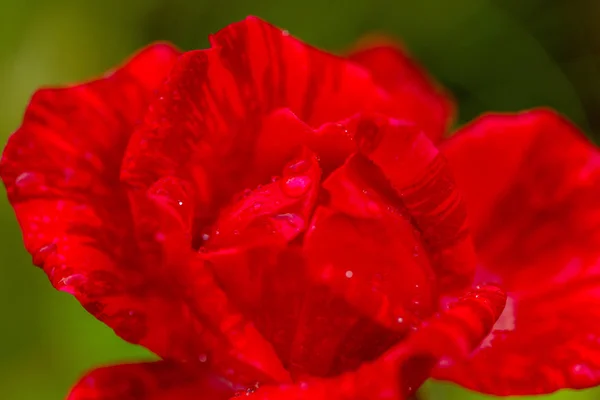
{"x":376,"y":227}
{"x":161,"y":380}
{"x":399,"y":372}
{"x":418,"y":98}
{"x":61,"y":170}
{"x":532,"y":185}
{"x":408,"y":167}
{"x":204,"y":125}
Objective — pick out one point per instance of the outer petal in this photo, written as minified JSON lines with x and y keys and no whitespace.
{"x":418,"y":97}
{"x":160,"y":380}
{"x":399,"y":372}
{"x":61,"y":170}
{"x":204,"y":125}
{"x":532,"y":185}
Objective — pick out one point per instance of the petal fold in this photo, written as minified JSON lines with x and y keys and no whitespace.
{"x":160,"y":380}
{"x":400,"y":371}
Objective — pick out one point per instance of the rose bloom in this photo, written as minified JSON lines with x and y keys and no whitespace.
{"x":275,"y":221}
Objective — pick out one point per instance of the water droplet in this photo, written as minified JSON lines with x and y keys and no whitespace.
{"x":180,"y":202}
{"x":39,"y":258}
{"x":296,"y":167}
{"x":296,"y":186}
{"x":285,"y":32}
{"x":26,"y":178}
{"x":400,"y":320}
{"x":289,"y":224}
{"x":445,"y":362}
{"x":256,"y":206}
{"x":202,"y":357}
{"x":581,"y":375}
{"x":342,"y":128}
{"x":349,"y":274}
{"x":205,"y":236}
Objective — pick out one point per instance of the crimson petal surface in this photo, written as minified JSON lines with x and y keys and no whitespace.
{"x":532,"y":185}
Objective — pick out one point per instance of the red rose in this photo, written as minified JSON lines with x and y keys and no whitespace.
{"x":274,"y":220}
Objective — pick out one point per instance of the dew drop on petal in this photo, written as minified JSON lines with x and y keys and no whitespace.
{"x":202,"y":357}
{"x":296,"y":186}
{"x":297,"y":167}
{"x":349,"y":274}
{"x":25,"y":178}
{"x":289,"y":224}
{"x":581,"y":375}
{"x":39,"y":258}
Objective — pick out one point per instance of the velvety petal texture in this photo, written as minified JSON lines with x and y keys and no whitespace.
{"x":532,"y":186}
{"x":278,"y":222}
{"x":61,"y":170}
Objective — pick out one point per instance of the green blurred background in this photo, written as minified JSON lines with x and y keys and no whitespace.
{"x":493,"y":55}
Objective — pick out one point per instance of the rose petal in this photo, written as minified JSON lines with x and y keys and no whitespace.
{"x":393,"y":216}
{"x":532,"y":184}
{"x":61,"y":170}
{"x":413,"y":171}
{"x":417,"y":96}
{"x":283,"y":133}
{"x":205,"y":122}
{"x":247,"y":250}
{"x":377,"y":280}
{"x":161,"y":380}
{"x":399,"y":372}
